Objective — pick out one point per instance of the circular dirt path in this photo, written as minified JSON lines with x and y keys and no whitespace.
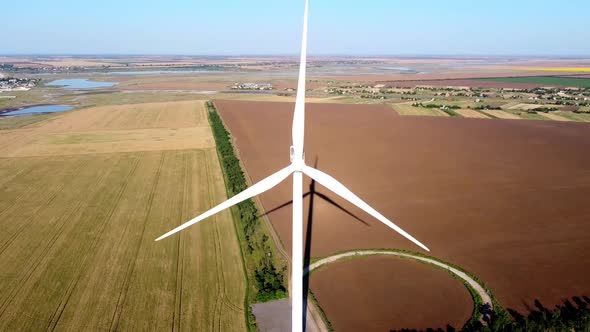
{"x":479,"y":289}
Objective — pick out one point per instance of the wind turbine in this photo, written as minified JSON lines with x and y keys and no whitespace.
{"x":297,"y":168}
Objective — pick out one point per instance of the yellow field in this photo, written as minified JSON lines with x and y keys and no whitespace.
{"x":553,"y":117}
{"x":126,"y":128}
{"x":502,"y":114}
{"x":582,"y":117}
{"x":467,"y":113}
{"x":526,"y":107}
{"x":77,"y":246}
{"x":406,"y":109}
{"x":135,"y":116}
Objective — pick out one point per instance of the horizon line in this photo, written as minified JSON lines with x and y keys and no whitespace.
{"x":254,"y":55}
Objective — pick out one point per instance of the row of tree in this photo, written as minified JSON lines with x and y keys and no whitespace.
{"x":573,"y":315}
{"x":269,"y":279}
{"x":453,"y":107}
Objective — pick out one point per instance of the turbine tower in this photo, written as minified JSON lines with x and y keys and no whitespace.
{"x":297,"y":168}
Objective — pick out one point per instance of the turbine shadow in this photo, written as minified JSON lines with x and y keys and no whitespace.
{"x":307,"y":250}
{"x":312,"y":194}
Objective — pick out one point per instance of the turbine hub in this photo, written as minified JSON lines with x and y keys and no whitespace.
{"x":298,"y":163}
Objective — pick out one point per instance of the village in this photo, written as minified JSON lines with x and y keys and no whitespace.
{"x":17,"y":84}
{"x":252,"y":86}
{"x":571,"y":98}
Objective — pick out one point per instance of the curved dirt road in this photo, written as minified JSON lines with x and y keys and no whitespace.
{"x":479,"y":289}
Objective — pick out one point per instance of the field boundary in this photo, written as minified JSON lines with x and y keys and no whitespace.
{"x":251,"y":234}
{"x":483,"y":299}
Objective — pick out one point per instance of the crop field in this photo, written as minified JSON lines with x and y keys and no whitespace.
{"x":174,"y":83}
{"x":380,"y":308}
{"x":467,"y":113}
{"x":77,"y":244}
{"x":555,"y":117}
{"x":119,"y":128}
{"x":582,"y":117}
{"x":543,"y":81}
{"x":526,"y":107}
{"x":526,"y":115}
{"x":134,"y":116}
{"x":405,"y":109}
{"x":501,"y":114}
{"x":504,"y":200}
{"x":21,"y":121}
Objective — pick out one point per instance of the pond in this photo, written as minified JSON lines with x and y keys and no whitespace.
{"x":80,"y":83}
{"x":42,"y":109}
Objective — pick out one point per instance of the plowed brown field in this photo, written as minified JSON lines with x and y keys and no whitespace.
{"x":506,"y":200}
{"x":407,"y":294}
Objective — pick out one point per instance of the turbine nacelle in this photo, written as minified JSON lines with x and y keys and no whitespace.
{"x":296,"y":163}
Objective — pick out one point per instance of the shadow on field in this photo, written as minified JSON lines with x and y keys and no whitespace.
{"x":312,"y":193}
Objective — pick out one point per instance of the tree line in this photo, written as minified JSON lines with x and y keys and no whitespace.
{"x":270,"y":280}
{"x":573,"y":315}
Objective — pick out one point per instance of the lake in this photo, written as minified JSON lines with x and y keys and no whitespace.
{"x":38,"y":110}
{"x":80,"y":83}
{"x":160,"y":72}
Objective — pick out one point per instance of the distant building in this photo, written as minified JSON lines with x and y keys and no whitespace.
{"x":252,"y":86}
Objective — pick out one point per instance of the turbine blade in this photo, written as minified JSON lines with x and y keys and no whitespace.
{"x":338,"y":188}
{"x":254,"y":190}
{"x":299,"y":114}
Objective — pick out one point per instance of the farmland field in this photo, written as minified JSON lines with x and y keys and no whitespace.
{"x":543,"y":80}
{"x":404,"y":109}
{"x":21,"y":121}
{"x":551,"y":116}
{"x":468,"y":113}
{"x":582,"y":117}
{"x":501,"y":114}
{"x":77,"y":244}
{"x":389,"y":306}
{"x":525,"y":115}
{"x":527,"y":107}
{"x":505,"y":200}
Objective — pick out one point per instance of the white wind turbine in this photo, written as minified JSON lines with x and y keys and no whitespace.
{"x":298,"y":168}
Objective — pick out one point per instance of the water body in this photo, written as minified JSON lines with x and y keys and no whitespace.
{"x":80,"y":83}
{"x":402,"y":69}
{"x":159,"y":72}
{"x":38,"y":110}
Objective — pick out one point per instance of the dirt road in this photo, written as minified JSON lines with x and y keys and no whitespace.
{"x":486,"y":299}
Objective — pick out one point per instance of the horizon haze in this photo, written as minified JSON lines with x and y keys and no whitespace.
{"x":231,"y":27}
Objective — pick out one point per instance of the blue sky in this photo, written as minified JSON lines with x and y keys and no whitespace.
{"x":238,"y":27}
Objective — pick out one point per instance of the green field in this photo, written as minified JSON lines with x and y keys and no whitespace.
{"x":544,"y":80}
{"x":582,"y":117}
{"x":77,"y":246}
